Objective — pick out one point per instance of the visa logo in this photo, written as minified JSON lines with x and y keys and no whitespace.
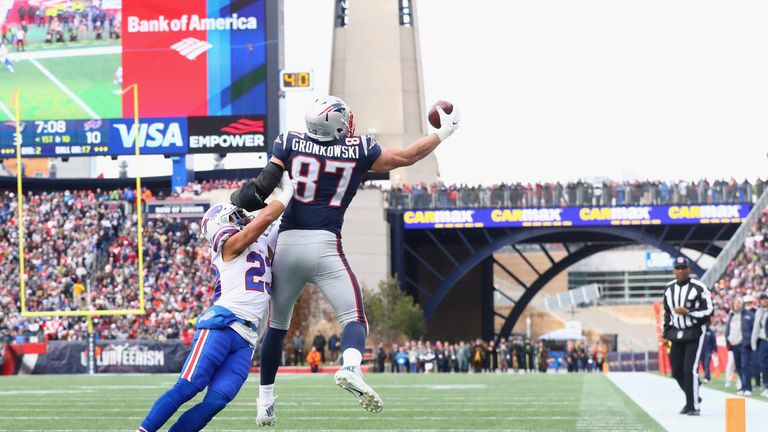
{"x":151,"y":135}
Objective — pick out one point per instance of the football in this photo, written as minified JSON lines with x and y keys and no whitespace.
{"x":434,"y":116}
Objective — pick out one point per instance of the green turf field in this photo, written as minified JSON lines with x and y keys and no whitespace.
{"x":88,"y":78}
{"x":575,"y":402}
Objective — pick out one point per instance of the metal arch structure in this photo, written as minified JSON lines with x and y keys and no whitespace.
{"x":521,"y":236}
{"x":430,"y":263}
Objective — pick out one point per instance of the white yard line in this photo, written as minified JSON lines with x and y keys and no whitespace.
{"x":7,"y":112}
{"x":662,"y":399}
{"x":63,"y":53}
{"x":64,"y":88}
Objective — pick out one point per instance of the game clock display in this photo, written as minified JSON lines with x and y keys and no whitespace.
{"x":52,"y":138}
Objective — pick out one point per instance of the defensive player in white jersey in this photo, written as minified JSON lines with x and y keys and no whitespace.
{"x":327,"y":163}
{"x":241,"y":252}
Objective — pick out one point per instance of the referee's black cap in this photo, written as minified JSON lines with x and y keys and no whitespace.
{"x":681,"y":262}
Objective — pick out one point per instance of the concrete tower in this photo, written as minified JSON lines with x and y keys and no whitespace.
{"x":376,"y":69}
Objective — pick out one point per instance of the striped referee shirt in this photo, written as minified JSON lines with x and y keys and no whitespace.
{"x":693,"y":296}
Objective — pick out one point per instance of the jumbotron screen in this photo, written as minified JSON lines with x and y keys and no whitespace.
{"x":200,"y":67}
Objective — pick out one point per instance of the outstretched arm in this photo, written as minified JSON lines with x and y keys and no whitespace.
{"x":236,"y":244}
{"x":252,"y":195}
{"x":392,"y":158}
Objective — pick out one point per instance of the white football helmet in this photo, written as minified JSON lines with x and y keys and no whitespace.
{"x":329,"y":118}
{"x":221,"y":216}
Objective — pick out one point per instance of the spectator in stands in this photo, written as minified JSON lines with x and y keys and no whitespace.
{"x":600,"y":354}
{"x":381,"y":358}
{"x":462,"y":357}
{"x":708,"y":348}
{"x":314,"y":358}
{"x":478,"y":356}
{"x":334,"y":345}
{"x":392,"y":357}
{"x":488,"y":360}
{"x":530,"y":356}
{"x":517,"y":355}
{"x":759,"y":340}
{"x":78,"y":294}
{"x":504,"y":355}
{"x":402,"y":360}
{"x":319,"y":343}
{"x":298,"y":349}
{"x":571,"y":357}
{"x":739,"y":333}
{"x":441,"y":357}
{"x":542,"y":357}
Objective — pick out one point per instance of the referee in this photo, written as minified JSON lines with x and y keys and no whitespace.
{"x":687,"y":309}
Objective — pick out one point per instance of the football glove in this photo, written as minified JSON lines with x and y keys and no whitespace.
{"x":448,"y":123}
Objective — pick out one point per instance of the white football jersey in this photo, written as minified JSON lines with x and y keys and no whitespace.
{"x":244,"y":285}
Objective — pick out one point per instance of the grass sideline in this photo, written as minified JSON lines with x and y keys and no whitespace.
{"x":479,"y":402}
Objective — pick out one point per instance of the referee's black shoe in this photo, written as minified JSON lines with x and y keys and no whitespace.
{"x":685,"y":410}
{"x":694,"y":412}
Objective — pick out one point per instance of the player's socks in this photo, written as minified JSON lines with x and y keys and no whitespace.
{"x":352,"y":357}
{"x":271,"y":351}
{"x":353,"y":343}
{"x":266,"y":392}
{"x":167,"y":404}
{"x":199,"y":415}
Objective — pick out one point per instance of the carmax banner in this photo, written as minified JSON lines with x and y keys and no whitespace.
{"x":575,"y":216}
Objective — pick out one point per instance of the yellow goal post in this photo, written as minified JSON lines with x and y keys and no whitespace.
{"x":140,"y":231}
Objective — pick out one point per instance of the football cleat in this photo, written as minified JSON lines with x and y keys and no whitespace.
{"x":265,"y":413}
{"x":350,"y":379}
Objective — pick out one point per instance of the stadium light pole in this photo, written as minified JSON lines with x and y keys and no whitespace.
{"x":140,"y":228}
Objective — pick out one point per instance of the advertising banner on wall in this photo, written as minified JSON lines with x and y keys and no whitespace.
{"x":575,"y":216}
{"x":132,"y":356}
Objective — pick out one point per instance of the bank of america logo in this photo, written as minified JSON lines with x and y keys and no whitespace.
{"x":191,"y":47}
{"x":244,"y":126}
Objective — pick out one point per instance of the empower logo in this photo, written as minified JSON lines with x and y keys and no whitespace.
{"x":191,"y":47}
{"x":244,"y":126}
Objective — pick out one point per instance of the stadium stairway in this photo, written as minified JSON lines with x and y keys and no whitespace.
{"x":736,"y":243}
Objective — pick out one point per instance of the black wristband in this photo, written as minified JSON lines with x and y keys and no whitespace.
{"x":268,"y":180}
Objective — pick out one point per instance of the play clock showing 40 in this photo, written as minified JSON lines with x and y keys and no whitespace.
{"x":296,"y":80}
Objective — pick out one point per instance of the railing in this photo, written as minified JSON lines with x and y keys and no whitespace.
{"x":512,"y":197}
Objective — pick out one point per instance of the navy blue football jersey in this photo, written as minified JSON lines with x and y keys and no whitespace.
{"x":327,"y":176}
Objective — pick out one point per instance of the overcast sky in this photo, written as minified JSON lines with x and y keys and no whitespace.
{"x":565,"y":89}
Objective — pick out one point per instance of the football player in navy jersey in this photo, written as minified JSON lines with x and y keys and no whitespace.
{"x":327,"y":164}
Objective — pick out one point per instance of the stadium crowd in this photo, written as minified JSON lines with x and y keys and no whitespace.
{"x":518,"y":355}
{"x":580,"y":193}
{"x":73,"y":22}
{"x":81,"y":252}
